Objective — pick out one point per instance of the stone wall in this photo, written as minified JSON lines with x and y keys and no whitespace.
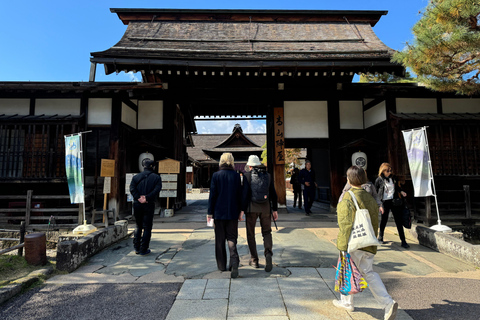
{"x":450,"y":243}
{"x":71,"y":253}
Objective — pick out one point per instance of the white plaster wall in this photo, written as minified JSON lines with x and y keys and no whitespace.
{"x":129,"y":116}
{"x":57,"y":106}
{"x":99,"y":111}
{"x":150,"y":114}
{"x":375,"y":115}
{"x":306,"y":119}
{"x":351,"y":114}
{"x":15,"y":106}
{"x":461,"y":105}
{"x":412,"y":105}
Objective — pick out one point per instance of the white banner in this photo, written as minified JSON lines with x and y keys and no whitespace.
{"x":418,"y":157}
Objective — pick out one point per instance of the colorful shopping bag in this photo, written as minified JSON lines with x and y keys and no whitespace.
{"x":348,"y":279}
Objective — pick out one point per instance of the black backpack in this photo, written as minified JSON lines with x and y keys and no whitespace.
{"x":259,"y":184}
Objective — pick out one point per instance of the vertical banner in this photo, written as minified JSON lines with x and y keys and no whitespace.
{"x":279,"y":136}
{"x":418,"y":161}
{"x":73,"y":167}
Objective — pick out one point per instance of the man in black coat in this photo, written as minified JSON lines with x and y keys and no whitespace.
{"x":307,"y":179}
{"x":144,"y":188}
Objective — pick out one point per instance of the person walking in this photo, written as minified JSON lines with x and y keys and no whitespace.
{"x":309,"y":186}
{"x":363,"y":258}
{"x":367,"y":186}
{"x":297,"y":188}
{"x":227,"y":196}
{"x":262,"y":200}
{"x":144,"y":189}
{"x":391,"y":193}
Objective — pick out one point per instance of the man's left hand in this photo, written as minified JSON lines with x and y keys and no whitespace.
{"x":275,"y":215}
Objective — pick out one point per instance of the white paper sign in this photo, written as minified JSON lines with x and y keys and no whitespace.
{"x":169,"y":177}
{"x":168,"y":194}
{"x":107,"y":184}
{"x":128,"y":180}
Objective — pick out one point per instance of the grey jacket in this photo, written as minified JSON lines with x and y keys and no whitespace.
{"x":369,"y":187}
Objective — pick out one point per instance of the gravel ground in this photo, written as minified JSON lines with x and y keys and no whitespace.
{"x":93,"y":301}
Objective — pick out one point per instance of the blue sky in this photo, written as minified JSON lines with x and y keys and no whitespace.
{"x":52,"y":40}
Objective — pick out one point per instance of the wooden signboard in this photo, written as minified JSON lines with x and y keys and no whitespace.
{"x":279,"y":135}
{"x":168,"y":166}
{"x":107,"y":168}
{"x":169,"y":186}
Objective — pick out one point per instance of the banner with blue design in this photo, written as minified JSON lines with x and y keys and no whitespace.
{"x":418,"y":161}
{"x":73,"y":167}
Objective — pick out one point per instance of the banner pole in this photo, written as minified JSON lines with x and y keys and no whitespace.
{"x":439,"y":226}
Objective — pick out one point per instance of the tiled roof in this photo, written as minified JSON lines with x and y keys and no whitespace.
{"x":209,"y":141}
{"x":315,"y":39}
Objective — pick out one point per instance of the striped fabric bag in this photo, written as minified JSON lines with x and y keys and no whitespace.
{"x":348,"y":279}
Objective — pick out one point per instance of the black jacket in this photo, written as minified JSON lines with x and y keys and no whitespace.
{"x":380,"y":186}
{"x":146,"y":183}
{"x":227,"y":195}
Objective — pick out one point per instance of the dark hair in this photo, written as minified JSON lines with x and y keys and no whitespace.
{"x":356,"y":176}
{"x":149,"y":164}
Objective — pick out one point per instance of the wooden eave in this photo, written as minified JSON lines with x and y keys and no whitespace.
{"x":128,"y":15}
{"x":164,"y":43}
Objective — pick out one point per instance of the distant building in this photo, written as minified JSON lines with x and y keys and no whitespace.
{"x":205,"y":153}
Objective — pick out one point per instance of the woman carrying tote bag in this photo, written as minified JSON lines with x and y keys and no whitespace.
{"x":363,"y":257}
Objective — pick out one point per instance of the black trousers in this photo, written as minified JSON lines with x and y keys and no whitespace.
{"x":297,"y":193}
{"x":226,"y":230}
{"x":397,"y":216}
{"x":144,"y":222}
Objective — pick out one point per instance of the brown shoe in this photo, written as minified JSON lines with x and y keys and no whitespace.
{"x":254,"y":263}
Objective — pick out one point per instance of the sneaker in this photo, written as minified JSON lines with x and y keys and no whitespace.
{"x":144,"y":253}
{"x":340,"y":305}
{"x":405,"y":245}
{"x":391,"y":311}
{"x":268,"y":266}
{"x":307,"y":214}
{"x":254,"y":263}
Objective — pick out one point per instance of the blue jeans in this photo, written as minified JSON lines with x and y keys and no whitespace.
{"x":144,"y":222}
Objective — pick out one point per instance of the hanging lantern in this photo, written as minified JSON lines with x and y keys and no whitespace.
{"x":359,"y":159}
{"x":142,"y":158}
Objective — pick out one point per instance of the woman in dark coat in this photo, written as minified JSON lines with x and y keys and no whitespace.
{"x":389,"y":191}
{"x":225,"y":206}
{"x":297,"y":188}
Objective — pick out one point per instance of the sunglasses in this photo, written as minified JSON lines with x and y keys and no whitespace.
{"x":389,"y":170}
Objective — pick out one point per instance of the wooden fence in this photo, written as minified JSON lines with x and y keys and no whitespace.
{"x":34,"y":216}
{"x":21,"y":240}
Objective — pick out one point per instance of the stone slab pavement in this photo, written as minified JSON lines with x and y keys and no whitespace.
{"x":179,"y":279}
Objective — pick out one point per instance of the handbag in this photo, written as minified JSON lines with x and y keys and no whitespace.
{"x":397,"y":202}
{"x":406,"y":217}
{"x":348,"y":279}
{"x":362,"y":234}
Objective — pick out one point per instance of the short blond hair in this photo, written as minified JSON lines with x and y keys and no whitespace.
{"x":227,"y":159}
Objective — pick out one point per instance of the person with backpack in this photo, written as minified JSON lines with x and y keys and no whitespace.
{"x":225,"y":206}
{"x":262,"y":200}
{"x":144,"y":189}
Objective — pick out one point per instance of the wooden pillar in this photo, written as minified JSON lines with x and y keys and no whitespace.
{"x":114,"y":153}
{"x":278,"y":147}
{"x":336,"y":167}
